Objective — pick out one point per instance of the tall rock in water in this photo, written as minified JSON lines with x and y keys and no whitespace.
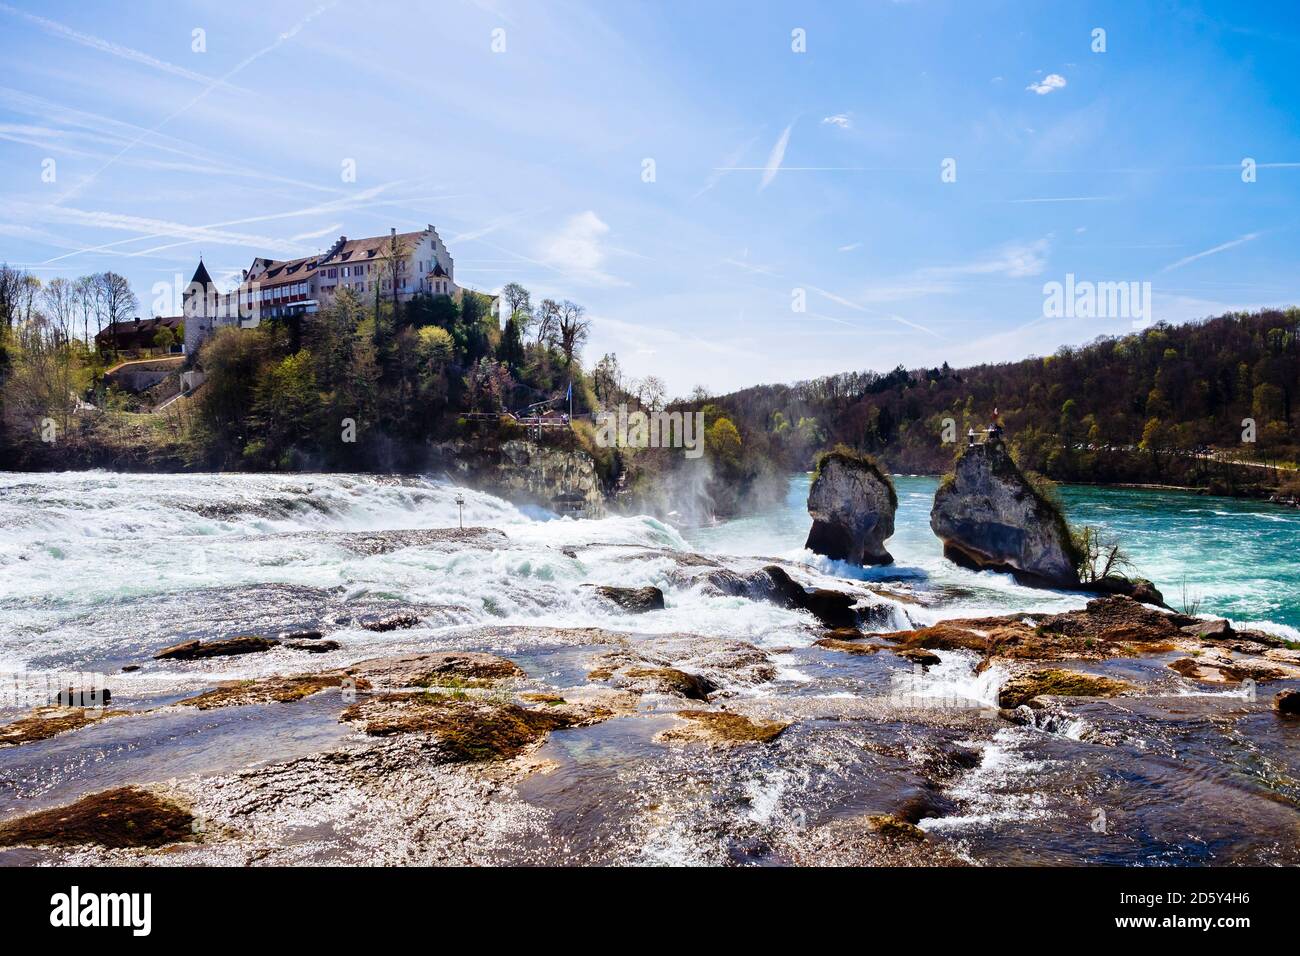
{"x":991,"y":518}
{"x":852,"y":503}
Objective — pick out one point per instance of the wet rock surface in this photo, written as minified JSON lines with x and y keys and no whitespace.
{"x":633,"y":600}
{"x":1106,"y":627}
{"x":467,"y":729}
{"x":638,"y":677}
{"x":463,"y":741}
{"x":46,"y":722}
{"x":834,"y":608}
{"x":313,"y":647}
{"x":438,"y":669}
{"x":197,"y":650}
{"x":390,"y":622}
{"x":282,"y":690}
{"x":1024,"y":688}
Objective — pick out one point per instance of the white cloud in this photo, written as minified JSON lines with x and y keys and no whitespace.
{"x":1052,"y":81}
{"x":577,"y":249}
{"x":317,"y":233}
{"x":850,"y":247}
{"x":775,"y":158}
{"x":731,"y":160}
{"x":839,"y":119}
{"x":142,"y":226}
{"x":105,"y":46}
{"x":1210,"y":252}
{"x":1014,"y":261}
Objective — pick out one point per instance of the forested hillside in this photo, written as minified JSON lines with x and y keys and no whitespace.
{"x":375,"y":385}
{"x":1129,"y":408}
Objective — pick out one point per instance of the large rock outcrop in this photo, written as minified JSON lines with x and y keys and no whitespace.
{"x":990,"y":517}
{"x":852,"y":503}
{"x":561,"y":479}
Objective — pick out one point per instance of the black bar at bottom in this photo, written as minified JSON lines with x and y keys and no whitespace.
{"x":333,"y":906}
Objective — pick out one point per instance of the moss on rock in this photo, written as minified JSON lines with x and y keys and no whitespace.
{"x":723,"y":727}
{"x":47,"y":722}
{"x":123,"y":817}
{"x":891,"y":826}
{"x":468,"y":729}
{"x":1060,"y":683}
{"x":267,"y":690}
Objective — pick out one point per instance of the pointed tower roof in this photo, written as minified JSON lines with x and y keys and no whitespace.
{"x":201,"y":277}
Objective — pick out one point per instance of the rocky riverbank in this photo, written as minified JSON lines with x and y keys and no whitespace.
{"x":873,"y":731}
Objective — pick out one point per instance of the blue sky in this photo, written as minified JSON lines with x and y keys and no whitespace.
{"x":774,"y":170}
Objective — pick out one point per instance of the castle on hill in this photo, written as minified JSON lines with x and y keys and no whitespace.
{"x":396,"y":266}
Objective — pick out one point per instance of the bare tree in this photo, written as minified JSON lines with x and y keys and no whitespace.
{"x":392,"y":267}
{"x":652,"y":392}
{"x":59,"y":303}
{"x":115,"y":300}
{"x":518,"y":304}
{"x":18,"y":291}
{"x":548,"y":322}
{"x":27,"y":294}
{"x":84,"y":290}
{"x":607,"y":379}
{"x":46,"y":382}
{"x":1099,"y":560}
{"x":572,"y":328}
{"x":13,"y":286}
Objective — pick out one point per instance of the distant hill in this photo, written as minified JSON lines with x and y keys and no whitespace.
{"x":1132,"y":408}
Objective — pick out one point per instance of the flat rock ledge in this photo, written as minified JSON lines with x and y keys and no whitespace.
{"x":1054,"y":682}
{"x":1107,"y":627}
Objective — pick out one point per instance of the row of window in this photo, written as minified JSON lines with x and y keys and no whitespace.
{"x":348,"y":271}
{"x":439,"y":286}
{"x":274,"y":292}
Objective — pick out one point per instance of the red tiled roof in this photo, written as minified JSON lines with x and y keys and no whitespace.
{"x":277,"y":272}
{"x":375,"y":247}
{"x":133,"y":331}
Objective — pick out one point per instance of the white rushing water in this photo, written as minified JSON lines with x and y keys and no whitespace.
{"x":86,"y":559}
{"x":98,"y":567}
{"x":98,"y":571}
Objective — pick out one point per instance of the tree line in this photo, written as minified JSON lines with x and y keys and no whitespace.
{"x":49,"y":363}
{"x":1131,"y":408}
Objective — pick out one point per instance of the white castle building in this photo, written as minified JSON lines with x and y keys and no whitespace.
{"x":406,"y":264}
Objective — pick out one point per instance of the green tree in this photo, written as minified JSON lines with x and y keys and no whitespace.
{"x":436,"y":347}
{"x":511,"y":350}
{"x":286,"y":405}
{"x":722,"y":441}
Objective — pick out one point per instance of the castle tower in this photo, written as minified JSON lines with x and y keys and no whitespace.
{"x":199,"y":308}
